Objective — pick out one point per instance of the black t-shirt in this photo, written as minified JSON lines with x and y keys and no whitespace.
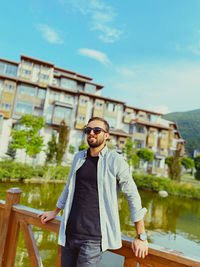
{"x":84,"y":219}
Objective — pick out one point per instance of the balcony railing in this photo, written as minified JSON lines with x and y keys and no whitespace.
{"x":14,"y":217}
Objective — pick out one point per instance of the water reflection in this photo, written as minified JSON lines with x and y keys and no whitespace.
{"x":171,"y":222}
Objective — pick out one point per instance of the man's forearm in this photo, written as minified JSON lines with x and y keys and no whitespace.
{"x":139,"y":226}
{"x":56,"y":210}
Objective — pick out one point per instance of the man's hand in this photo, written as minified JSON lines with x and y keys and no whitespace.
{"x":140,"y":248}
{"x":47,"y":216}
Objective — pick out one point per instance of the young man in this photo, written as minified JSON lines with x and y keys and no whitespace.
{"x":90,"y":222}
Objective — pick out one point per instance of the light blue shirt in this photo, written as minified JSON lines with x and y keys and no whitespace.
{"x":113,"y":174}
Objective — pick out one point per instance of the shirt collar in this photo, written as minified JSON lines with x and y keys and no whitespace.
{"x":101,"y":153}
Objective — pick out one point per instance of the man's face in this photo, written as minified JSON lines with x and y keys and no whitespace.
{"x":95,"y":140}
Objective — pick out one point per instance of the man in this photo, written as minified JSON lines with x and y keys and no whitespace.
{"x":90,"y":222}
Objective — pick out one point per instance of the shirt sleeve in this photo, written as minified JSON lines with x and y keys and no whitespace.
{"x":129,"y":189}
{"x":63,"y":197}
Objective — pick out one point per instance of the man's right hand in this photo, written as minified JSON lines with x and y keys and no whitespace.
{"x":47,"y":216}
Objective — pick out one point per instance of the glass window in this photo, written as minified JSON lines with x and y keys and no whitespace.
{"x":6,"y":106}
{"x":8,"y":69}
{"x":54,"y":95}
{"x":68,"y":84}
{"x":98,"y":105}
{"x":139,"y":143}
{"x":26,"y":72}
{"x":27,"y":90}
{"x":140,"y":129}
{"x":111,"y":121}
{"x":153,"y":118}
{"x":41,"y":93}
{"x":38,"y":112}
{"x":90,"y":88}
{"x":83,"y":101}
{"x":44,"y":76}
{"x":110,"y":107}
{"x":24,"y":107}
{"x":9,"y":87}
{"x":49,"y":112}
{"x":157,"y":163}
{"x":62,"y":112}
{"x":68,"y":98}
{"x":81,"y":119}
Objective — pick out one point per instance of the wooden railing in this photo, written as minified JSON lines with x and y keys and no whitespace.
{"x":14,"y":216}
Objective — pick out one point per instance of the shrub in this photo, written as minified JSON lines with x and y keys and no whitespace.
{"x":58,"y":172}
{"x":146,"y":181}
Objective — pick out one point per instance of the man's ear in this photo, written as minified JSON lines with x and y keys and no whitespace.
{"x":107,"y":135}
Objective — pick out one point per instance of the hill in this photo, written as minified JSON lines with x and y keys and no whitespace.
{"x":189,"y":126}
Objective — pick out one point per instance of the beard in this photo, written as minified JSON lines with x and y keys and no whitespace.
{"x":95,"y":143}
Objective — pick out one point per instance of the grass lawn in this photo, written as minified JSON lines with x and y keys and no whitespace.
{"x":189,"y":179}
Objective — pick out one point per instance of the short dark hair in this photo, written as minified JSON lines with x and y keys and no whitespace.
{"x":100,"y":119}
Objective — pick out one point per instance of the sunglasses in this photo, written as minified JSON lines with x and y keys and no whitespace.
{"x":96,"y":130}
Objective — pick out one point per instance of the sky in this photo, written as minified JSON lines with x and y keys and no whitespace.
{"x":145,"y":52}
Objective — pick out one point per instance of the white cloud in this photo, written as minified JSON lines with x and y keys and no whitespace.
{"x":101,"y":18}
{"x":161,"y":87}
{"x":97,"y":55}
{"x":49,"y":34}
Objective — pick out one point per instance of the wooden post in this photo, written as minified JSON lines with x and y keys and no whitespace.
{"x":12,"y":198}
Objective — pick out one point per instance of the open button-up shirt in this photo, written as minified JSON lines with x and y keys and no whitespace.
{"x":113,"y":174}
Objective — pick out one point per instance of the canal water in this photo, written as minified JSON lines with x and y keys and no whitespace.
{"x":172,"y":222}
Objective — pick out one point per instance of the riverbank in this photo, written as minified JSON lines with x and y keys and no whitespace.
{"x":143,"y":181}
{"x":156,"y":184}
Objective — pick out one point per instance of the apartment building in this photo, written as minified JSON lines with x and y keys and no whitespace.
{"x":36,"y":87}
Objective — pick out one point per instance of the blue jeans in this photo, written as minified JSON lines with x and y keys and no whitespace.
{"x":81,"y":253}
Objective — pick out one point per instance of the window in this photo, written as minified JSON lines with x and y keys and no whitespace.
{"x":41,"y":93}
{"x":27,"y":90}
{"x":111,"y":121}
{"x":26,"y":72}
{"x":68,"y":84}
{"x":90,"y":88}
{"x":83,"y":101}
{"x":68,"y":98}
{"x":27,"y":63}
{"x":10,"y":87}
{"x":157,"y":163}
{"x":44,"y":76}
{"x":24,"y":107}
{"x":8,"y":69}
{"x":6,"y":106}
{"x":81,"y":119}
{"x":38,"y":112}
{"x":139,"y":143}
{"x":48,"y":113}
{"x":140,"y":129}
{"x":121,"y":142}
{"x":54,"y":95}
{"x":62,"y":112}
{"x":110,"y":107}
{"x":98,"y":105}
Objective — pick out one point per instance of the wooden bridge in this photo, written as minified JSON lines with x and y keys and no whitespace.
{"x":14,"y":216}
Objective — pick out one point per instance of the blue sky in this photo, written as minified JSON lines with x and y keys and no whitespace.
{"x":145,"y":52}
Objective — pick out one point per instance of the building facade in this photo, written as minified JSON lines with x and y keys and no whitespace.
{"x":36,"y":87}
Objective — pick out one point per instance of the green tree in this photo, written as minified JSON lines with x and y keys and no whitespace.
{"x":174,"y":165}
{"x":145,"y":154}
{"x":130,"y":152}
{"x":28,"y":137}
{"x":71,"y":149}
{"x":62,"y":141}
{"x":83,"y":146}
{"x":51,"y":149}
{"x":11,"y":152}
{"x":187,"y":163}
{"x":197,"y":167}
